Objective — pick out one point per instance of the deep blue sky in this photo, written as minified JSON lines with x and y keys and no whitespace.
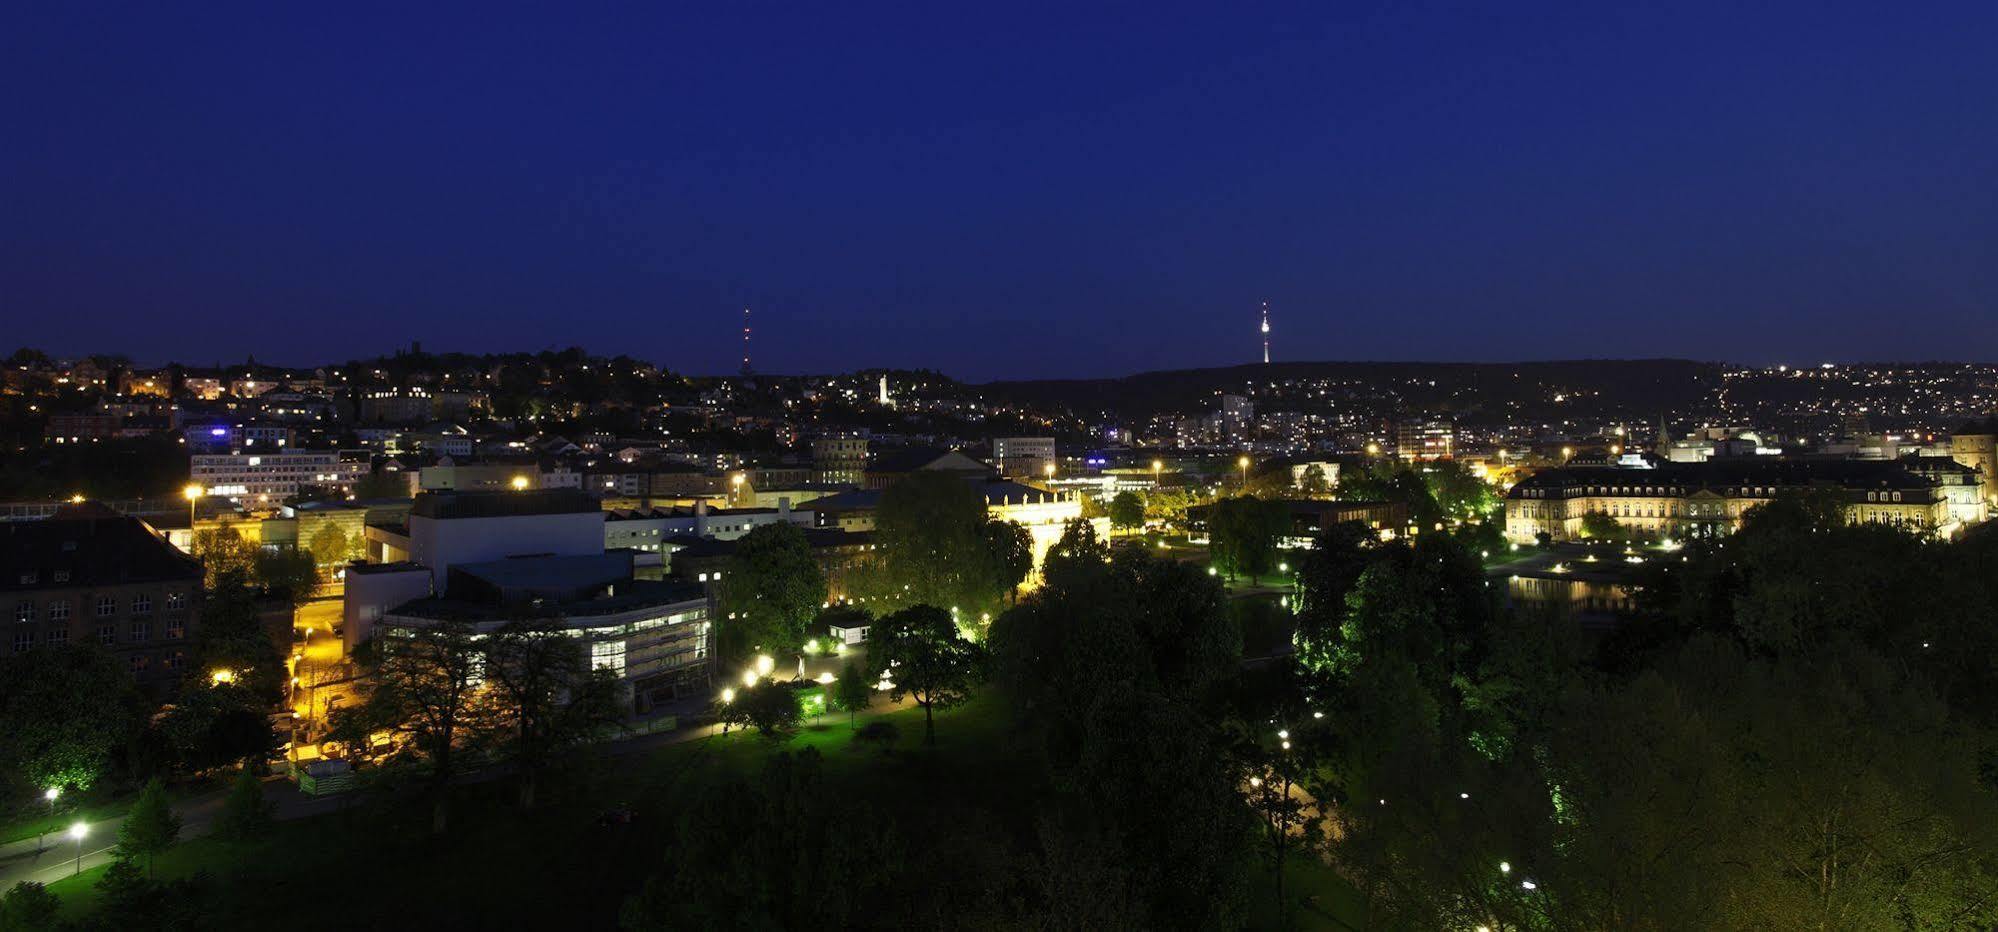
{"x":1002,"y":190}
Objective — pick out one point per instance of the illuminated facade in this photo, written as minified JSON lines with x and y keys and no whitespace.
{"x":273,"y":478}
{"x":1709,"y":499}
{"x":1426,"y":440}
{"x":1976,"y":445}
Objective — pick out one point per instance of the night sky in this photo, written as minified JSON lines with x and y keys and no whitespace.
{"x":1001,"y":190}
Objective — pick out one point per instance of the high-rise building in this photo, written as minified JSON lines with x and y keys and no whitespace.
{"x":1023,"y":456}
{"x":840,"y":458}
{"x":1425,"y":440}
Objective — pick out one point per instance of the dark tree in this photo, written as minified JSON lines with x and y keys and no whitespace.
{"x":427,"y":685}
{"x":920,"y":650}
{"x":1009,"y":551}
{"x":245,"y":813}
{"x":1127,"y":511}
{"x":782,"y":852}
{"x":933,"y":548}
{"x":770,"y":706}
{"x":772,"y":588}
{"x":852,"y":692}
{"x":28,"y":907}
{"x":49,"y":737}
{"x":547,"y":697}
{"x":150,"y":827}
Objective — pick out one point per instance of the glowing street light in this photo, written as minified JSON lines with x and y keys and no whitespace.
{"x":520,"y":483}
{"x":1243,"y":463}
{"x":49,"y":794}
{"x":192,"y":493}
{"x":749,"y":678}
{"x":222,"y":677}
{"x":1048,"y":470}
{"x":77,"y":832}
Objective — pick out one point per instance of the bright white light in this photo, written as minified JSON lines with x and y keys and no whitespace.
{"x":79,"y":830}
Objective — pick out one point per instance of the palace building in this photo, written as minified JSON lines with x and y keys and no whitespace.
{"x":1709,"y":499}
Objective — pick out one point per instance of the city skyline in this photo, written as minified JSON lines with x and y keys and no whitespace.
{"x":1002,"y":200}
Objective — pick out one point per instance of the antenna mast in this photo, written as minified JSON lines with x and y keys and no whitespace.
{"x":1266,"y":333}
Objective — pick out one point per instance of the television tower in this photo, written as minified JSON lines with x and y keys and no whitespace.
{"x":745,"y":343}
{"x":1266,"y":333}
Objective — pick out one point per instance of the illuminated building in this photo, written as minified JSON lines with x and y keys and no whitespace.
{"x":839,"y":458}
{"x":1425,"y":440}
{"x":479,"y":557}
{"x":1019,"y":457}
{"x":1679,"y":500}
{"x":276,"y":477}
{"x":1976,"y":445}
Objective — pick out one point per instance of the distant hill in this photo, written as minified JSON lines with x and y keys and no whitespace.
{"x":1630,"y":384}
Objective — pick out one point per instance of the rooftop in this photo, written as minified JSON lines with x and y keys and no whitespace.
{"x":448,"y":505}
{"x":91,"y":545}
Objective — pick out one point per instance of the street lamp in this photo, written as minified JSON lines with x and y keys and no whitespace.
{"x":193,"y":494}
{"x":1244,"y":464}
{"x":1048,"y":470}
{"x":520,"y":483}
{"x":49,"y":794}
{"x":77,"y":832}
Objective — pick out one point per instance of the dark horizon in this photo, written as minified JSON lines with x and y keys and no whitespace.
{"x":1051,"y":193}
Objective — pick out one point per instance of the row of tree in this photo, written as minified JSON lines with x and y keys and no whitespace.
{"x":1795,"y":734}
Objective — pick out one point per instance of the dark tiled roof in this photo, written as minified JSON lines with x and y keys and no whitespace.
{"x":93,"y":550}
{"x":503,"y":504}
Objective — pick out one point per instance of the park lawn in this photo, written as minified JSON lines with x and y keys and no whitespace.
{"x":80,"y":895}
{"x":555,"y":866}
{"x":34,"y":818}
{"x":1319,"y":897}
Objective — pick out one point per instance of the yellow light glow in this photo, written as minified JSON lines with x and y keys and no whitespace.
{"x":76,"y":499}
{"x":728,"y":696}
{"x":749,"y":678}
{"x":191,"y":492}
{"x":765,"y":664}
{"x":520,"y":483}
{"x":222,"y":676}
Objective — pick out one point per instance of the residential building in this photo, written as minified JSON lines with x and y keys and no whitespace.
{"x":88,"y":574}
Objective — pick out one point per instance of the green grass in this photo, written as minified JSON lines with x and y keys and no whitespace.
{"x":1319,"y":898}
{"x":33,"y":818}
{"x":556,"y":866}
{"x":375,"y":863}
{"x":80,"y":896}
